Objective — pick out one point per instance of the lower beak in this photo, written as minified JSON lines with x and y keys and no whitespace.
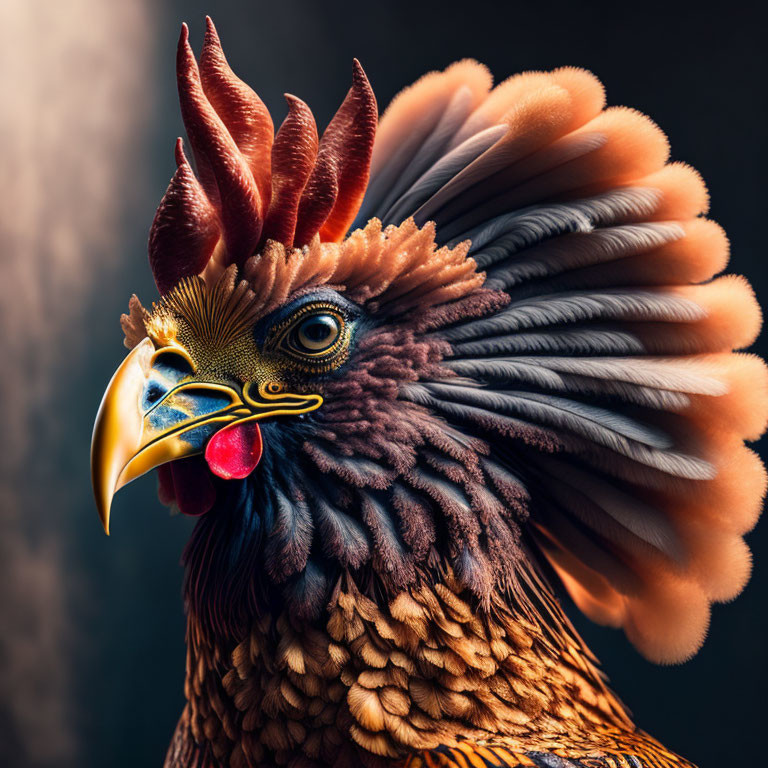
{"x":134,"y":434}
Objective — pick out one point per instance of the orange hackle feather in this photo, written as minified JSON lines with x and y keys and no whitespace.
{"x":540,"y":158}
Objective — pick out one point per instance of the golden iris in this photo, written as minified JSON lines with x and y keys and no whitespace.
{"x":318,"y":333}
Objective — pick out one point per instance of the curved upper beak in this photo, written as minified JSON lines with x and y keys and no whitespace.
{"x":156,"y":409}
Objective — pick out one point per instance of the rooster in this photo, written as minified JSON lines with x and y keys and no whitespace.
{"x":414,"y":377}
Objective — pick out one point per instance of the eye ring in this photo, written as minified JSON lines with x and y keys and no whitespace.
{"x":316,"y":337}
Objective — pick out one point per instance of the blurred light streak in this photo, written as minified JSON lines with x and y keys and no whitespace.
{"x":74,"y":78}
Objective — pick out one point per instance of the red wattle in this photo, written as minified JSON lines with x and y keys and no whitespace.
{"x":195,"y":493}
{"x":233,"y":452}
{"x":187,"y":484}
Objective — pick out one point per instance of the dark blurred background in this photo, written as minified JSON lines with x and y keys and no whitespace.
{"x":92,"y":630}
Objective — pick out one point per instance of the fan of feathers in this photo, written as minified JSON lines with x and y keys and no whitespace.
{"x":544,"y":370}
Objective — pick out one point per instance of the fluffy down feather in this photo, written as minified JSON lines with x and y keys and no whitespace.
{"x":615,"y":338}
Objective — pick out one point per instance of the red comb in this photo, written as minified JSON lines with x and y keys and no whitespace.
{"x":335,"y":189}
{"x":179,"y":251}
{"x":250,"y":187}
{"x":293,"y":158}
{"x":229,"y":177}
{"x":350,"y":136}
{"x":240,"y":109}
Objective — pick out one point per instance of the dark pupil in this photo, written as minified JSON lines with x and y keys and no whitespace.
{"x":319,"y":329}
{"x":318,"y":333}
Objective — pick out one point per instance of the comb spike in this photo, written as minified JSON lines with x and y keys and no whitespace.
{"x":351,"y":134}
{"x":185,"y":229}
{"x":317,"y":199}
{"x":239,"y":107}
{"x":224,"y":173}
{"x":293,"y":158}
{"x":185,"y":61}
{"x":335,"y":190}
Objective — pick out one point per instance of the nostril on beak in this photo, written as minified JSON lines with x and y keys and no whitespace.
{"x":153,"y":394}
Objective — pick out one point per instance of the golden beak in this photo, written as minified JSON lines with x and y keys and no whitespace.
{"x":156,"y":410}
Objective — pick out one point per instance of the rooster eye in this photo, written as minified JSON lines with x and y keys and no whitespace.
{"x":316,"y":337}
{"x":318,"y":333}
